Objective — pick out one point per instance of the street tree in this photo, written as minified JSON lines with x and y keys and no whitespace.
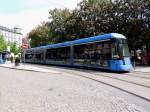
{"x":3,"y":44}
{"x":14,"y":48}
{"x":94,"y":17}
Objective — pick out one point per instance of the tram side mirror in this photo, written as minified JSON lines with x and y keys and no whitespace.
{"x":117,"y":56}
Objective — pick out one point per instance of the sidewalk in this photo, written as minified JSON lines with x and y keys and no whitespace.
{"x":142,"y":69}
{"x":29,"y":67}
{"x":26,"y":67}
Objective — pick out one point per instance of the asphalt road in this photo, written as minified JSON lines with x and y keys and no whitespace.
{"x":26,"y":91}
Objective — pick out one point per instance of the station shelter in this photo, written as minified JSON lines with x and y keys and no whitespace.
{"x":3,"y":57}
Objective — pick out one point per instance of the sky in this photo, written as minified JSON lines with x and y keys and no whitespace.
{"x":27,"y":14}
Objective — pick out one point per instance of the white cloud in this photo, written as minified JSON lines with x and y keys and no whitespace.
{"x":52,"y":3}
{"x":27,"y":19}
{"x":33,"y":16}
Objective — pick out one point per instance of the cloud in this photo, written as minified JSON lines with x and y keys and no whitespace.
{"x":34,"y":13}
{"x":27,"y":19}
{"x":71,"y":4}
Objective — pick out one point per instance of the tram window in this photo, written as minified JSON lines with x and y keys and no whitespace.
{"x":49,"y":54}
{"x":58,"y":53}
{"x":107,"y":45}
{"x":99,"y":46}
{"x":38,"y":56}
{"x":92,"y":51}
{"x":29,"y":56}
{"x":124,"y":50}
{"x":79,"y":51}
{"x":114,"y":51}
{"x":122,"y":41}
{"x":104,"y":50}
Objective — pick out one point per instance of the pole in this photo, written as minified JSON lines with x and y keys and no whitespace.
{"x":134,"y":64}
{"x":24,"y":56}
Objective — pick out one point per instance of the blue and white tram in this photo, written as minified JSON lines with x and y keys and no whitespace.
{"x":108,"y":51}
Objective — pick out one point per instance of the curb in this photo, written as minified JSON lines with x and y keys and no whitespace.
{"x":24,"y":69}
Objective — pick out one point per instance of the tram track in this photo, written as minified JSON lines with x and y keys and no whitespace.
{"x":142,"y":72}
{"x":132,"y":82}
{"x":132,"y":74}
{"x":141,"y":75}
{"x":108,"y":75}
{"x":115,"y":86}
{"x":115,"y":76}
{"x":111,"y":85}
{"x":128,"y":86}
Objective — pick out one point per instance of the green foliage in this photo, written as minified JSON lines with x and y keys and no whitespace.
{"x":14,"y":49}
{"x":13,"y":46}
{"x":3,"y":45}
{"x":94,"y":17}
{"x":42,"y":35}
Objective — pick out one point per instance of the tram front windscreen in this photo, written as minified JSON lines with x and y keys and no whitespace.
{"x":120,"y":49}
{"x":124,"y":50}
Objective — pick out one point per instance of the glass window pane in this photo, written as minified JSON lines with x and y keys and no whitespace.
{"x":125,"y":50}
{"x":93,"y":54}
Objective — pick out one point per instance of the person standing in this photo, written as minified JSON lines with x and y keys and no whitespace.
{"x":11,"y":59}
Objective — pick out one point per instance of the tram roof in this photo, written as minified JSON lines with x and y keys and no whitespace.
{"x":84,"y":40}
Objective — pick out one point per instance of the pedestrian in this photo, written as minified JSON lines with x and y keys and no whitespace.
{"x":11,"y":59}
{"x":133,"y":58}
{"x":17,"y":61}
{"x":149,"y":58}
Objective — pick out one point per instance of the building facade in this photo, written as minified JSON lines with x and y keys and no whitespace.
{"x":12,"y":35}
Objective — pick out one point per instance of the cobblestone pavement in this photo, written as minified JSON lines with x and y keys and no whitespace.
{"x":26,"y":91}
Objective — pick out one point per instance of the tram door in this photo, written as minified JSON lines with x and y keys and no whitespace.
{"x":103,"y":50}
{"x":39,"y":56}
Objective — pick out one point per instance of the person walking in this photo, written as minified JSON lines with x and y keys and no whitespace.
{"x":11,"y":59}
{"x":17,"y":61}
